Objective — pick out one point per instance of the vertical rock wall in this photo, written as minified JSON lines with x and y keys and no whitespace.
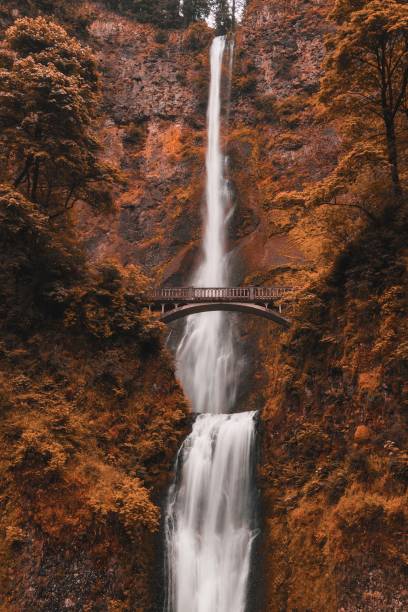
{"x":155,"y":90}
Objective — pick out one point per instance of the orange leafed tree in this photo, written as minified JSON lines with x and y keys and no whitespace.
{"x":49,"y":94}
{"x":366,"y":75}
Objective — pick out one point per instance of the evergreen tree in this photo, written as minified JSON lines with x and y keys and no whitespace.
{"x":195,"y":10}
{"x":223,"y":16}
{"x":226,"y":14}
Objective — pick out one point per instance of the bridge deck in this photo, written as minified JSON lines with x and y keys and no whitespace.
{"x":217,"y":294}
{"x":178,"y":302}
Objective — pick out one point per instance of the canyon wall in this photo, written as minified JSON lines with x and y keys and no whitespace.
{"x":92,"y":416}
{"x":155,"y":92}
{"x":333,"y":466}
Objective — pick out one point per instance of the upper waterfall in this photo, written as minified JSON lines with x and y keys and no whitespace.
{"x":213,"y":271}
{"x":206,"y":359}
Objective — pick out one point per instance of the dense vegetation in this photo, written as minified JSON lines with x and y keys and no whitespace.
{"x":335,"y":462}
{"x":176,"y":13}
{"x":49,"y":98}
{"x":162,"y":13}
{"x":77,"y":352}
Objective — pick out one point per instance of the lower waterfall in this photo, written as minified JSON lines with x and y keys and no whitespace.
{"x":210,"y":518}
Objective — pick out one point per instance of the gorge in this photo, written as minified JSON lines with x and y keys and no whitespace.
{"x":267,"y":463}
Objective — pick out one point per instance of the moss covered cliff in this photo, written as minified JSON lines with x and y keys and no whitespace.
{"x":91,"y":421}
{"x":91,"y":414}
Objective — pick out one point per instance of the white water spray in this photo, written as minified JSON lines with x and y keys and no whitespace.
{"x":210,"y":519}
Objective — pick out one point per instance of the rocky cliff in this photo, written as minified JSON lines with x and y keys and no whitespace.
{"x":155,"y":89}
{"x":89,"y":434}
{"x":333,"y":465}
{"x":92,"y":416}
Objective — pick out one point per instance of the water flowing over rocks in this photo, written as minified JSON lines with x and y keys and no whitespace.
{"x":210,"y":523}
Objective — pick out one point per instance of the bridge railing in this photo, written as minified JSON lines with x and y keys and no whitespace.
{"x":215,"y":294}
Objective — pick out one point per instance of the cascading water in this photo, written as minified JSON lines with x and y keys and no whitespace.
{"x":207,"y":365}
{"x":210,"y":518}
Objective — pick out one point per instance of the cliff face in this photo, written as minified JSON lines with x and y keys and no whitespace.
{"x":89,"y":436}
{"x":154,"y":100}
{"x":334,"y":461}
{"x":155,"y":93}
{"x":91,"y":414}
{"x":275,"y":144}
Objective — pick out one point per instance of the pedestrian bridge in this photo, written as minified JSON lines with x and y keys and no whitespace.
{"x":177,"y":303}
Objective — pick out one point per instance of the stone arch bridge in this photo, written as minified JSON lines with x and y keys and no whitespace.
{"x":177,"y":303}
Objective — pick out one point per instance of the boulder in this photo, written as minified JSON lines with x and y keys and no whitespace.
{"x":362,"y":434}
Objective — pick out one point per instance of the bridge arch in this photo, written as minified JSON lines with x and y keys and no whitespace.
{"x":254,"y":309}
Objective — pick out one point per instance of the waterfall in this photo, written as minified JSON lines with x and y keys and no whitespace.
{"x":206,"y":361}
{"x":209,"y":525}
{"x":210,"y":516}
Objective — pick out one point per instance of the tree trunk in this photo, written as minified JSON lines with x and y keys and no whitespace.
{"x":187,"y":13}
{"x":23,"y":174}
{"x":36,"y":174}
{"x":393,"y":155}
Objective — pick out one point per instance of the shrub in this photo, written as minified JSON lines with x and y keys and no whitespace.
{"x":289,"y":110}
{"x":136,"y":134}
{"x":245,"y":84}
{"x":360,"y":513}
{"x":161,"y":37}
{"x":359,"y":464}
{"x":309,"y":442}
{"x":128,"y":501}
{"x":197,"y":37}
{"x":399,"y":468}
{"x":336,"y":486}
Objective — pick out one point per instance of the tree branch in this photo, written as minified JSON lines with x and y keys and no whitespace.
{"x":370,"y":215}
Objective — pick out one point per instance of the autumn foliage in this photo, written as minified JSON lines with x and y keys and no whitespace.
{"x":91,"y":413}
{"x":334,"y":444}
{"x":366,"y":77}
{"x":49,"y":96}
{"x":363,"y":96}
